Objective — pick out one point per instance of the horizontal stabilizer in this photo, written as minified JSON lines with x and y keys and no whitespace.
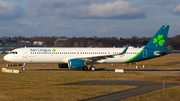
{"x":162,"y":52}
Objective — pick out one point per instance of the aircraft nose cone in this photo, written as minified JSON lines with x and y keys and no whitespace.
{"x":6,"y":57}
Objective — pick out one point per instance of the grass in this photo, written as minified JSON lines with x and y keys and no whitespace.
{"x":49,"y":85}
{"x":168,"y":62}
{"x":170,"y":94}
{"x":2,"y":55}
{"x":45,"y":85}
{"x":36,"y":85}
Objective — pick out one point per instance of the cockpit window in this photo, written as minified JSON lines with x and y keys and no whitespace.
{"x":12,"y":52}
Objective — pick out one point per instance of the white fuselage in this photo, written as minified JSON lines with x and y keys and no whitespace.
{"x":62,"y":55}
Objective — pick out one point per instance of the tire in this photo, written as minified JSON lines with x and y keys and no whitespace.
{"x":23,"y":69}
{"x":85,"y":68}
{"x":93,"y":68}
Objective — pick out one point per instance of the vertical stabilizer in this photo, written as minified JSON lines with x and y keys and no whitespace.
{"x":159,"y":39}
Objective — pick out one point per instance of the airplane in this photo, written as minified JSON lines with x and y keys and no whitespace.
{"x":79,"y":58}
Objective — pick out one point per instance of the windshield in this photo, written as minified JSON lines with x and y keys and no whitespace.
{"x":12,"y":52}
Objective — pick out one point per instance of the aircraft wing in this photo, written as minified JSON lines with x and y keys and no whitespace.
{"x":95,"y":58}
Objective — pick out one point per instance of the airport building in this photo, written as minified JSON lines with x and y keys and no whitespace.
{"x":8,"y":44}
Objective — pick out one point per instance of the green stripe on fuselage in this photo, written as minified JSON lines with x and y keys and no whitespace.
{"x":128,"y":61}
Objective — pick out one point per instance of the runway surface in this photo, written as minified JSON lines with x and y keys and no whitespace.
{"x":142,"y":88}
{"x":103,"y":70}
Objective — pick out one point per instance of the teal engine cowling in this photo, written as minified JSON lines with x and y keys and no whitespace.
{"x":65,"y":65}
{"x":76,"y":64}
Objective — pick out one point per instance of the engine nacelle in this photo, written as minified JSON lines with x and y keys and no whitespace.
{"x":76,"y":64}
{"x":65,"y":65}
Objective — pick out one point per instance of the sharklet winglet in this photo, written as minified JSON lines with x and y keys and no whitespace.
{"x":125,"y":50}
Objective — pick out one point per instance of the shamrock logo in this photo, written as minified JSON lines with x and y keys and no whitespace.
{"x":159,"y":40}
{"x":54,"y":50}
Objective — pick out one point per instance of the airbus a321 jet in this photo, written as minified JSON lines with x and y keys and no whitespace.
{"x":79,"y":58}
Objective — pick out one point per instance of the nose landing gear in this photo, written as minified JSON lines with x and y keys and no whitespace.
{"x":24,"y":65}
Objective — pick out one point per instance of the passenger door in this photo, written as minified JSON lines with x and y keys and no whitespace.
{"x":24,"y":53}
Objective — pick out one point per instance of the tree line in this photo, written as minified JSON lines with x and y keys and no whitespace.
{"x":134,"y":41}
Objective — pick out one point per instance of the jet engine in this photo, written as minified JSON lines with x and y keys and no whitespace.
{"x":76,"y":64}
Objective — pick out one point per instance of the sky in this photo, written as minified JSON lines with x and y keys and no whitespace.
{"x":88,"y":18}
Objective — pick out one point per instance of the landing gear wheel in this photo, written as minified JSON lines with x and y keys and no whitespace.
{"x":85,"y":68}
{"x":23,"y":68}
{"x":24,"y":65}
{"x":93,"y":68}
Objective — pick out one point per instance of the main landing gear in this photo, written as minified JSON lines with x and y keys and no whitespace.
{"x":24,"y":65}
{"x":85,"y":68}
{"x":92,"y":68}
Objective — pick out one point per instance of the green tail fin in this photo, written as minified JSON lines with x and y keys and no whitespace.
{"x":159,"y":39}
